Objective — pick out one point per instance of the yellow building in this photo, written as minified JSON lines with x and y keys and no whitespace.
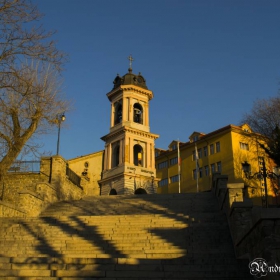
{"x":89,"y":167}
{"x":226,"y":151}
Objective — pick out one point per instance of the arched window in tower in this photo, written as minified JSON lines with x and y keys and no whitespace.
{"x":118,"y":113}
{"x":137,"y":113}
{"x":138,"y":155}
{"x":115,"y":155}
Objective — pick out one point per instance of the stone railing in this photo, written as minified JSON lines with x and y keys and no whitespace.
{"x":28,"y":193}
{"x":255,"y":230}
{"x":73,"y":177}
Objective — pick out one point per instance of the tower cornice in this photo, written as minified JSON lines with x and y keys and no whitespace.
{"x":126,"y":129}
{"x":132,"y":88}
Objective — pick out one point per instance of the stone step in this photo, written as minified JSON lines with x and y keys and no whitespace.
{"x":107,"y":224}
{"x":153,"y":203}
{"x":122,"y":274}
{"x":108,"y":244}
{"x":112,"y":221}
{"x":196,"y":259}
{"x":45,"y":265}
{"x":121,"y":238}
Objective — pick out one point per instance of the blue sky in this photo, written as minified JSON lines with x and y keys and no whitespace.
{"x":206,"y":61}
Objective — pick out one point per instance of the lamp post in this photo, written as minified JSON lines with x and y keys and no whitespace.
{"x":59,"y":118}
{"x":262,"y":174}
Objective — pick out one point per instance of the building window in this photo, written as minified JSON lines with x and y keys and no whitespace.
{"x":213,"y":169}
{"x":137,"y":113}
{"x":115,"y":154}
{"x":174,"y":179}
{"x":212,"y":149}
{"x":218,"y":147}
{"x":163,"y":182}
{"x":206,"y":170}
{"x":195,"y":138}
{"x":200,"y":172}
{"x":174,"y":147}
{"x":194,"y":174}
{"x":163,"y":164}
{"x":219,"y":167}
{"x":244,"y":146}
{"x":246,"y":167}
{"x":138,"y":155}
{"x":199,"y":152}
{"x":118,"y":113}
{"x":174,"y":161}
{"x":205,"y":151}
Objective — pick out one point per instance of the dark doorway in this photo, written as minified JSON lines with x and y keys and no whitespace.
{"x":113,"y":192}
{"x":140,"y":191}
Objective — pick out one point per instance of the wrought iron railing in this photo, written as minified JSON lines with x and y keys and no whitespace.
{"x":73,"y":177}
{"x":25,"y":166}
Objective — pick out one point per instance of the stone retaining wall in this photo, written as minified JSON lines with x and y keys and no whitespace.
{"x":10,"y":210}
{"x":27,"y":194}
{"x":255,"y":230}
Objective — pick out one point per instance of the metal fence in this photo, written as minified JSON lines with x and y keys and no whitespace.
{"x":73,"y":177}
{"x":25,"y":166}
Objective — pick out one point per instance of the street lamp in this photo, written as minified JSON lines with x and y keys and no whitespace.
{"x":261,"y":175}
{"x":59,"y":118}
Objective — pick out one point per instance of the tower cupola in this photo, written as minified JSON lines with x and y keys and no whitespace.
{"x":130,"y":79}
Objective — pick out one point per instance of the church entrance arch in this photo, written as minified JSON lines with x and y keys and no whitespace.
{"x":140,"y":191}
{"x":113,"y":192}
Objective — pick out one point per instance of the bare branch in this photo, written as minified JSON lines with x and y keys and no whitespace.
{"x":30,"y":66}
{"x":264,"y":118}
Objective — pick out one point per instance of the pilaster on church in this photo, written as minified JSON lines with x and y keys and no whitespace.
{"x":129,"y":161}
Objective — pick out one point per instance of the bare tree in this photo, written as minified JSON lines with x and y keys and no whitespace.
{"x":22,"y":37}
{"x":264,"y":119}
{"x":264,"y":116}
{"x":30,"y":67}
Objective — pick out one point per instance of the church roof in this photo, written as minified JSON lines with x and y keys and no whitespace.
{"x":130,"y":79}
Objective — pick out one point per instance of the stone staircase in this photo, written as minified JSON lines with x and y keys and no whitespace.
{"x":159,"y":237}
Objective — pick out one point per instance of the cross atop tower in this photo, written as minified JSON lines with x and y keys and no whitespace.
{"x":130,"y":58}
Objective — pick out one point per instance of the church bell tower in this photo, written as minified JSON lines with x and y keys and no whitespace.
{"x":129,"y":160}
